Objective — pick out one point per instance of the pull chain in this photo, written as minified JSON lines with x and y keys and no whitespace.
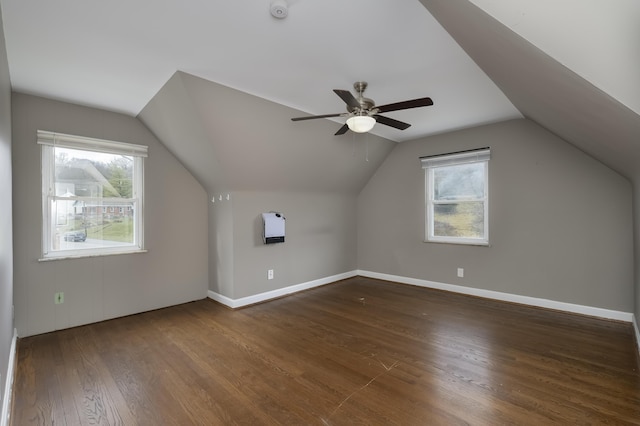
{"x":353,"y":144}
{"x":367,"y":148}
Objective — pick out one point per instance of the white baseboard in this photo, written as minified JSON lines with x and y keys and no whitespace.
{"x":8,"y":387}
{"x":489,"y":294}
{"x":507,"y":297}
{"x":263,"y":297}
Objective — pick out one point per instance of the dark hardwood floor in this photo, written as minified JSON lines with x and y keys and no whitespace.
{"x":360,"y":351}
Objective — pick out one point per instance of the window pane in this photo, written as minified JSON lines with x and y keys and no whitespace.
{"x":460,"y":182}
{"x":464,"y":219}
{"x":93,"y":201}
{"x":92,"y":174}
{"x":86,"y":225}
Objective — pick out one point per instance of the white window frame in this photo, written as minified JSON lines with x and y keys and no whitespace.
{"x":49,"y":141}
{"x":431,"y":163}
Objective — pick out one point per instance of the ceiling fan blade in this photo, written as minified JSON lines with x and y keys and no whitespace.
{"x":414,"y":103}
{"x":311,"y":117}
{"x":391,"y":122}
{"x":342,"y":130}
{"x":348,"y":98}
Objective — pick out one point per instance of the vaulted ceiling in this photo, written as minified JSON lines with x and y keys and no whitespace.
{"x":218,"y":81}
{"x":117,"y":55}
{"x":593,"y":107}
{"x":233,"y":141}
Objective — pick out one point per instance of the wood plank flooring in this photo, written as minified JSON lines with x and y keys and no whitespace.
{"x":360,"y":351}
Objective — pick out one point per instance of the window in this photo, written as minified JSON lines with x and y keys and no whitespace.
{"x":457,"y":207}
{"x":92,"y":196}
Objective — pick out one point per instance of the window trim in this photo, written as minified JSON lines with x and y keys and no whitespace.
{"x":429,"y":164}
{"x":49,"y":141}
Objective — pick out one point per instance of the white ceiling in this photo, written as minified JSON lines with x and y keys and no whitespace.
{"x":117,"y":55}
{"x":598,"y":40}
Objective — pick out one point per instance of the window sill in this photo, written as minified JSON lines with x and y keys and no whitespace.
{"x":84,"y":256}
{"x":460,"y":243}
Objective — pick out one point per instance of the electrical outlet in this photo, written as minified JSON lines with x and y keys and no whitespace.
{"x":460,"y":272}
{"x":270,"y":274}
{"x":59,"y":298}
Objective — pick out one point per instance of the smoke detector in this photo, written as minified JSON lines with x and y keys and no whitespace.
{"x":279,"y":9}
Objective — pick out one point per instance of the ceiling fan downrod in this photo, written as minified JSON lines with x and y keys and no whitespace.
{"x":366,"y":104}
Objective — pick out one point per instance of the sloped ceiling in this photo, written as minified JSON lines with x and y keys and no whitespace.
{"x":233,"y":141}
{"x":598,"y":40}
{"x":545,"y":90}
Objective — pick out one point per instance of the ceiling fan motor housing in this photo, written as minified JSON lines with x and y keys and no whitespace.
{"x":365,"y":103}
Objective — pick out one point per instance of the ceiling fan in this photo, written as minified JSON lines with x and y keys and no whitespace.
{"x":363,"y":112}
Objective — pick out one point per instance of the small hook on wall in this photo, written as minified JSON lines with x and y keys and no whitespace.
{"x":226,"y":196}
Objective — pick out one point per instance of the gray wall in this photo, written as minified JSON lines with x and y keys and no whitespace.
{"x":6,"y":246}
{"x":636,"y":233}
{"x":267,"y":163}
{"x":559,"y":227}
{"x":221,"y":278}
{"x":173,"y":271}
{"x":320,"y":239}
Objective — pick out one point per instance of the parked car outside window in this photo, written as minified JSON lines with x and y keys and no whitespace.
{"x":75,"y":236}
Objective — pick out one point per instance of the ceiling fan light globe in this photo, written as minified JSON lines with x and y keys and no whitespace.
{"x":361,"y":123}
